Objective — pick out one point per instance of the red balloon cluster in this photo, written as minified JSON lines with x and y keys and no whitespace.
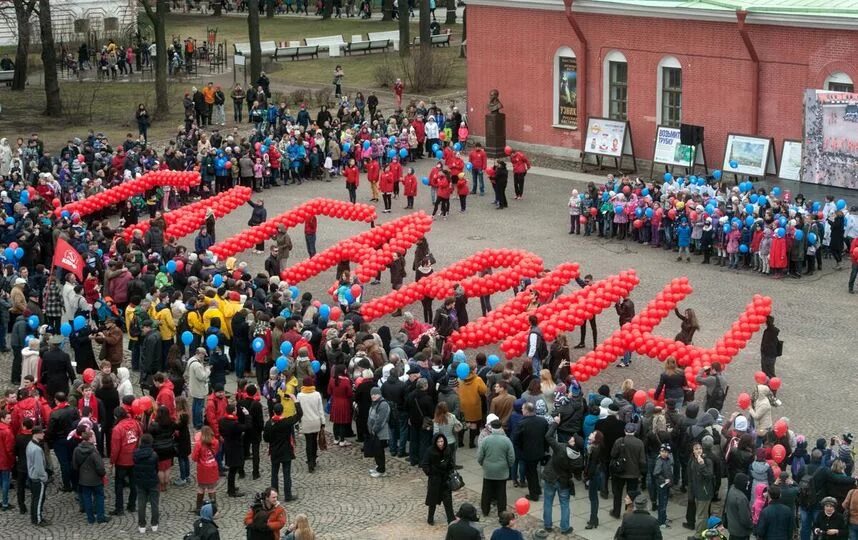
{"x":516,"y":264}
{"x":142,"y":405}
{"x":126,"y":190}
{"x":372,"y":250}
{"x":291,"y":218}
{"x":190,"y":218}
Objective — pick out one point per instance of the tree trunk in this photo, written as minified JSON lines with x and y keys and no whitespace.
{"x":269,"y":9}
{"x":53,"y":103}
{"x":23,"y":11}
{"x":451,"y":12}
{"x":162,"y":99}
{"x":404,"y":30}
{"x":387,"y":9}
{"x":464,"y":32}
{"x":255,"y":44}
{"x":425,"y":20}
{"x":327,"y":9}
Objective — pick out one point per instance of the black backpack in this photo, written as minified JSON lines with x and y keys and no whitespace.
{"x":807,"y":491}
{"x":719,"y":393}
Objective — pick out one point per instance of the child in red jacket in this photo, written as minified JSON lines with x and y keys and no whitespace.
{"x":352,"y":175}
{"x":463,"y":189}
{"x":409,"y":187}
{"x":386,"y":185}
{"x":444,"y":190}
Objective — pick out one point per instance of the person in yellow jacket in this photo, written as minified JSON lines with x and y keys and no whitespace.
{"x":213,"y":311}
{"x":287,"y":392}
{"x":229,"y":307}
{"x":162,"y":313}
{"x":195,"y":322}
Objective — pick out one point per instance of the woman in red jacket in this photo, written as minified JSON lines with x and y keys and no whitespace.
{"x":340,"y":390}
{"x":204,"y":455}
{"x":409,"y":187}
{"x":520,"y":165}
{"x":385,"y":184}
{"x":463,"y":189}
{"x":352,"y":175}
{"x":445,"y":189}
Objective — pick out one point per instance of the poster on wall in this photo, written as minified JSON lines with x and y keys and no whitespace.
{"x":669,"y":150}
{"x":751,"y":156}
{"x":606,"y":137}
{"x":567,"y":104}
{"x":830,"y":139}
{"x":790,"y":168}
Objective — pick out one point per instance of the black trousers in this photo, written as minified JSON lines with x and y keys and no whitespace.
{"x":617,"y":484}
{"x":767,"y":364}
{"x":251,"y":446}
{"x":500,"y":189}
{"x":21,"y":489}
{"x":37,"y":502}
{"x":447,"y":501}
{"x":592,"y":323}
{"x":427,"y":309}
{"x":531,"y":474}
{"x":379,"y":456}
{"x":493,"y":491}
{"x":230,"y":479}
{"x":312,"y":445}
{"x":388,"y":200}
{"x":518,"y":183}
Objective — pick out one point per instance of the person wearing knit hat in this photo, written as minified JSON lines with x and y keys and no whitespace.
{"x":378,"y":431}
{"x":639,"y":523}
{"x":628,"y":459}
{"x":312,"y":419}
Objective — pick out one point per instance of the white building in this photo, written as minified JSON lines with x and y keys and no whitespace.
{"x":104,"y":17}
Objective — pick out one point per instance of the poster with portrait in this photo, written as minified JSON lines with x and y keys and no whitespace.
{"x":830,"y":139}
{"x":567,"y":104}
{"x":790,"y":168}
{"x":669,"y":150}
{"x":606,"y":137}
{"x":750,"y":156}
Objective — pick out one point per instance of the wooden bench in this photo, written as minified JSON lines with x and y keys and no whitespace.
{"x":269,"y":49}
{"x":7,"y":76}
{"x":438,"y":40}
{"x":367,"y":46}
{"x":295,"y":53}
{"x":333,"y":44}
{"x":392,"y":35}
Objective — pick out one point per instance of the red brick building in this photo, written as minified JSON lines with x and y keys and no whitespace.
{"x":729,"y":66}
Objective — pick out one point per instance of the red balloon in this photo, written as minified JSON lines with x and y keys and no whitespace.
{"x":760,"y":377}
{"x":88,"y":375}
{"x":507,"y":150}
{"x":56,"y":202}
{"x":778,"y":453}
{"x":136,"y":407}
{"x":639,"y":398}
{"x":583,"y":219}
{"x":335,"y":313}
{"x":780,"y":428}
{"x":743,"y":401}
{"x":356,"y":290}
{"x":522,"y":505}
{"x":593,"y":211}
{"x":775,"y":383}
{"x":228,"y":165}
{"x":180,"y":265}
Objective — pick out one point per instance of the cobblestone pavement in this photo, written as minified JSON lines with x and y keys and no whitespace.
{"x":815,"y":315}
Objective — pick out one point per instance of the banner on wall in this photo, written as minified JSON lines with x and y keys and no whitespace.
{"x":747,"y":155}
{"x":606,"y":137}
{"x":830,"y":139}
{"x":669,"y":150}
{"x":567,"y":105}
{"x":790,"y":168}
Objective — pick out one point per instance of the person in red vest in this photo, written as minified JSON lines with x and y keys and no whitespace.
{"x":396,"y":171}
{"x":478,"y":160}
{"x":386,"y":185}
{"x":373,"y":170}
{"x":409,"y":187}
{"x":352,"y":175}
{"x":520,"y":166}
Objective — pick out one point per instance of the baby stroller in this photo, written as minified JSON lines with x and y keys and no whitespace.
{"x":365,"y":9}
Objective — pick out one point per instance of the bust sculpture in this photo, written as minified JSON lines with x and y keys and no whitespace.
{"x":494,"y":106}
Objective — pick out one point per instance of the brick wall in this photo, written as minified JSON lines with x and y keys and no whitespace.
{"x":716,"y":69}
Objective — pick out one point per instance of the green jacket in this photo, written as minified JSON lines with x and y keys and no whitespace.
{"x":496,"y":456}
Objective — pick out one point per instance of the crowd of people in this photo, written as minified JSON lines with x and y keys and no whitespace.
{"x":742,"y":227}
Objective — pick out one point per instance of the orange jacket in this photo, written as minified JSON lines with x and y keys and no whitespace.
{"x":276,"y":520}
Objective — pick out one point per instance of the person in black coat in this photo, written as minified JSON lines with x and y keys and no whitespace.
{"x":639,"y":525}
{"x":232,"y":432}
{"x":829,"y":524}
{"x":769,"y":347}
{"x":253,"y":436}
{"x":530,"y":437}
{"x":500,"y":180}
{"x":420,"y":405}
{"x":464,"y":528}
{"x":567,"y":461}
{"x":438,"y":464}
{"x":57,"y":371}
{"x":146,"y":480}
{"x":163,"y":431}
{"x":777,"y":521}
{"x":279,"y":433}
{"x":60,"y":424}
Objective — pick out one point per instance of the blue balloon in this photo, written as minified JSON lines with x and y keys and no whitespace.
{"x":463,"y":370}
{"x":99,"y":252}
{"x":782,"y":221}
{"x":799,"y":235}
{"x":710,"y":209}
{"x":425,"y":180}
{"x":749,"y":208}
{"x":649,"y":213}
{"x":282,"y":364}
{"x":435,"y":147}
{"x":295,"y":292}
{"x":29,"y":338}
{"x":668,"y":177}
{"x":349,"y":297}
{"x":618,"y":209}
{"x":841,"y":204}
{"x":762,"y":201}
{"x":780,"y":232}
{"x":217,"y":280}
{"x":638,"y":212}
{"x":716,"y":174}
{"x":171,"y":266}
{"x":701,"y":181}
{"x":25,"y":197}
{"x":65,"y":329}
{"x":366,"y":145}
{"x":469,"y":165}
{"x":315,"y":365}
{"x":324,"y":311}
{"x":258,"y":344}
{"x":815,"y":206}
{"x":9,"y":253}
{"x":187,"y":338}
{"x":743,"y":248}
{"x":492,"y":360}
{"x":392,"y":139}
{"x":734,"y":164}
{"x":79,"y":322}
{"x":749,"y":221}
{"x":10,"y":220}
{"x":286,"y":313}
{"x":263,"y":149}
{"x":439,"y":154}
{"x":403,"y":153}
{"x":754,"y":197}
{"x":811,"y":238}
{"x":346,"y":147}
{"x":776,"y":191}
{"x":726,"y":227}
{"x":457,"y":147}
{"x":19,"y":253}
{"x":391,"y":153}
{"x":286,"y":348}
{"x":459,"y":356}
{"x":33,"y":321}
{"x":65,"y":214}
{"x":212,"y":341}
{"x":645,"y":192}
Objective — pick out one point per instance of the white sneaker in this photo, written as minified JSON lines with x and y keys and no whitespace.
{"x":373,"y":470}
{"x":141,"y":530}
{"x":376,"y":474}
{"x":154,"y":528}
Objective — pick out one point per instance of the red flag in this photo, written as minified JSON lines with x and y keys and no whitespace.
{"x":67,"y":257}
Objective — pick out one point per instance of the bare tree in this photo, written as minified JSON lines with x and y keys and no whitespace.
{"x":253,"y":35}
{"x":404,"y":30}
{"x":53,"y":102}
{"x":157,"y":14}
{"x":23,"y":11}
{"x":425,"y":20}
{"x":451,"y":12}
{"x":387,"y":9}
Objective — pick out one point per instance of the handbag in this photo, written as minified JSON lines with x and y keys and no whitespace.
{"x":370,"y":446}
{"x":780,"y":348}
{"x":427,"y":423}
{"x":322,"y":439}
{"x":455,"y":481}
{"x":689,"y":395}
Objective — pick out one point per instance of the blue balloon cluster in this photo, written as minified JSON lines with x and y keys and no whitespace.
{"x":324,"y":311}
{"x":33,"y":322}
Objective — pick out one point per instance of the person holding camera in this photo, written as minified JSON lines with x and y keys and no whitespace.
{"x":266,"y":517}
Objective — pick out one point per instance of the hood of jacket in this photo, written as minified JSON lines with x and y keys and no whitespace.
{"x":28,"y":353}
{"x":124,"y":374}
{"x":692,"y":410}
{"x":740,"y":481}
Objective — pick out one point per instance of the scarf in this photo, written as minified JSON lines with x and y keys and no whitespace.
{"x":93,"y":406}
{"x":308,"y":389}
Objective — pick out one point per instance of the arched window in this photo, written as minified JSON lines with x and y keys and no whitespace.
{"x":839,"y":82}
{"x":669,"y":92}
{"x":615,"y":86}
{"x":565,"y":89}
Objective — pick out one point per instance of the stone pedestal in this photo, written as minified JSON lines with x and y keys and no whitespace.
{"x":495,"y":134}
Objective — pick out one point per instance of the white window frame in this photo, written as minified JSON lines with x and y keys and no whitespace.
{"x":666,"y":62}
{"x":613,"y":56}
{"x":839,"y":77}
{"x":555,"y":78}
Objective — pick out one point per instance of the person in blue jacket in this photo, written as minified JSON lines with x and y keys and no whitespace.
{"x":683,"y":239}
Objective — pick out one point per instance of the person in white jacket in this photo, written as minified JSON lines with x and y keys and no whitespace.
{"x":30,"y":363}
{"x":125,"y":388}
{"x":312,"y":419}
{"x":197,"y":373}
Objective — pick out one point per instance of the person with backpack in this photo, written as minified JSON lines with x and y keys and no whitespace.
{"x":567,"y":462}
{"x":712,"y":378}
{"x":205,"y":527}
{"x":628,"y":459}
{"x":537,"y":349}
{"x":266,"y":517}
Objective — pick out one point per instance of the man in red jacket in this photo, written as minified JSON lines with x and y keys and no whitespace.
{"x":165,"y":396}
{"x":479,"y":161}
{"x":853,"y":251}
{"x":310,"y":227}
{"x":373,"y":170}
{"x":123,"y":441}
{"x":7,"y":456}
{"x":520,"y":166}
{"x":215,"y":410}
{"x":31,"y":406}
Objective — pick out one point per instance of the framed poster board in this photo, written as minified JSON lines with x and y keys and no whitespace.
{"x":790,"y":168}
{"x":752,"y":156}
{"x":830,"y":146}
{"x":609,"y":138}
{"x":669,"y":150}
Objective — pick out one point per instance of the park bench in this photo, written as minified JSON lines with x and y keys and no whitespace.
{"x":295,"y":53}
{"x":332,"y":44}
{"x":438,"y":40}
{"x":367,"y":46}
{"x":269,"y":49}
{"x":7,"y":76}
{"x":392,"y":35}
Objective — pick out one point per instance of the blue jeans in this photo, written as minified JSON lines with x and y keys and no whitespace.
{"x":663,"y":495}
{"x":807,"y":518}
{"x":198,"y":407}
{"x":627,"y":358}
{"x":549,"y":489}
{"x":5,"y":479}
{"x":477,"y":179}
{"x":853,"y":532}
{"x":516,"y":472}
{"x":184,"y":467}
{"x":310,"y":239}
{"x":93,"y":502}
{"x":593,"y":494}
{"x":240,"y":363}
{"x":536,"y":363}
{"x":398,"y":433}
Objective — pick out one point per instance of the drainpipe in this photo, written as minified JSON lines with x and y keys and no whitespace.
{"x":752,"y":52}
{"x":582,"y":68}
